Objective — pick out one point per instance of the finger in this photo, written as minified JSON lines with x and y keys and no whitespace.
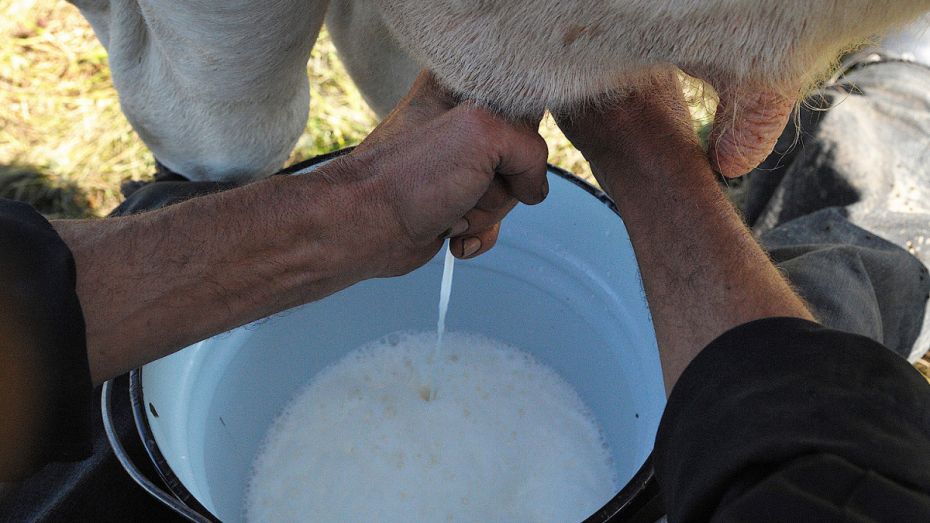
{"x":495,"y":148}
{"x":480,"y":219}
{"x":491,"y":208}
{"x":476,"y":244}
{"x":428,"y":98}
{"x":745,"y":130}
{"x":522,"y":163}
{"x":496,"y":197}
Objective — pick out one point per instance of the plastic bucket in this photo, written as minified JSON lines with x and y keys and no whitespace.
{"x":562,"y":283}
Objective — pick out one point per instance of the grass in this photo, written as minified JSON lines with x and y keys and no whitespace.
{"x":61,"y":127}
{"x":65,"y":146}
{"x":59,"y":115}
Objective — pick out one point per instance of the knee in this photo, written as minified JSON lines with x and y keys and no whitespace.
{"x":236,"y":142}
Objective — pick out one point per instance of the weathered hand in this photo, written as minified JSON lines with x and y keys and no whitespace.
{"x":436,"y":168}
{"x":703,"y":272}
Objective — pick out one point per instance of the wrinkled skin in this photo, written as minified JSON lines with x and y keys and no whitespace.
{"x":520,"y":56}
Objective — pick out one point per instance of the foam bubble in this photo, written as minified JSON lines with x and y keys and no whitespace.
{"x":503,"y":438}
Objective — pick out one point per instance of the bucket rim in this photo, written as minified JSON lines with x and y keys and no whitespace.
{"x":639,"y":500}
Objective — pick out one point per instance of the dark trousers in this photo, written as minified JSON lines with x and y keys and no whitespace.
{"x":843,"y":205}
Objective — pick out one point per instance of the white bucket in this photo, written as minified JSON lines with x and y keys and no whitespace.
{"x":562,"y":283}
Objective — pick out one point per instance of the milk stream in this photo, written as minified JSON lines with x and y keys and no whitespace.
{"x":445,"y":290}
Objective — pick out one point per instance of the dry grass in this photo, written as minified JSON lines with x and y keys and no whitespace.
{"x":65,"y":145}
{"x":61,"y":119}
{"x":59,"y":115}
{"x":61,"y":126}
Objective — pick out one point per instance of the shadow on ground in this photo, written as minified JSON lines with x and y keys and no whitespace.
{"x":52,"y":197}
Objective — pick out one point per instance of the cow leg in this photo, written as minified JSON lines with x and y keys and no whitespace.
{"x":380,"y":68}
{"x":217,"y":90}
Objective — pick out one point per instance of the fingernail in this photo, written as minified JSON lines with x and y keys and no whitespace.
{"x":470,"y":246}
{"x":460,"y":227}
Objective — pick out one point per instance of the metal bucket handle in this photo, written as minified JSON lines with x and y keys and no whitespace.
{"x":182,"y":509}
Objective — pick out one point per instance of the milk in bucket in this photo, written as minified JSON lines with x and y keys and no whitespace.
{"x":427,"y":427}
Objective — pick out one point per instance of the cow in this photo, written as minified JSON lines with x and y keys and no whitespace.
{"x":218,"y":90}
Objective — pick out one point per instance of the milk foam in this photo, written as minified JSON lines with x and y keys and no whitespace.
{"x":502,"y":439}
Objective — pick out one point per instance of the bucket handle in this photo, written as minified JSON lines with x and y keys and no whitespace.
{"x":640,"y":501}
{"x":642,"y":497}
{"x":119,"y":451}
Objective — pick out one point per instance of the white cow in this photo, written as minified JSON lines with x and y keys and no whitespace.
{"x":218,"y":89}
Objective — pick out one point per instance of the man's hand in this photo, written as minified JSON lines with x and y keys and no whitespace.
{"x":154,"y":282}
{"x":702,"y":270}
{"x":433,"y":169}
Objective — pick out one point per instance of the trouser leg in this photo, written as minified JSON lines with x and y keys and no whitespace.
{"x":844,"y":205}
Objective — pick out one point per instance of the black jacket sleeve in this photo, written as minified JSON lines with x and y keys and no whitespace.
{"x":45,"y":385}
{"x":784,"y":420}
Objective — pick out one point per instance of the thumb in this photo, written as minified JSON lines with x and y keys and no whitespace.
{"x":428,"y":98}
{"x":746,"y":127}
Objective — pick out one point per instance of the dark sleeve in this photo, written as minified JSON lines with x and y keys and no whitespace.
{"x":45,"y":385}
{"x":784,"y":420}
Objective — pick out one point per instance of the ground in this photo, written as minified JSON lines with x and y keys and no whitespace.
{"x":66,"y":147}
{"x":65,"y":144}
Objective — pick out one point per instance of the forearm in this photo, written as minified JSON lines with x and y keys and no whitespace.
{"x":703,"y":272}
{"x":153,"y":283}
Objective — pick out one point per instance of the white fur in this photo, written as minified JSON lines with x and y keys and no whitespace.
{"x":218,"y":89}
{"x":374,"y":59}
{"x":523,"y":55}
